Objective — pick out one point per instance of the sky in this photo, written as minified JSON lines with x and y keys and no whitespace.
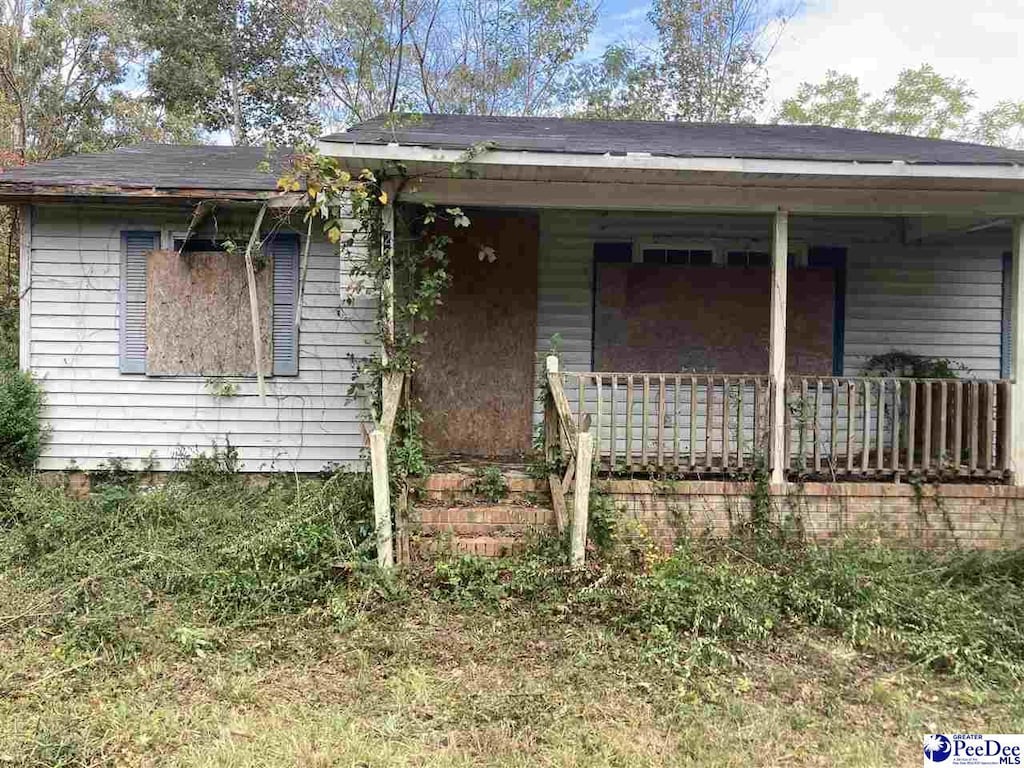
{"x":981,"y":41}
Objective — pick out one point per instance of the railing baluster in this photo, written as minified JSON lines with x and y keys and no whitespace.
{"x":675,"y":423}
{"x":897,"y":419}
{"x":911,"y":423}
{"x":708,"y":416}
{"x":758,"y":399}
{"x":661,"y":421}
{"x":644,"y":417}
{"x":958,"y":424}
{"x":599,"y":383}
{"x":802,"y":425}
{"x":926,"y":427}
{"x":581,"y":398}
{"x":866,"y":446}
{"x":725,"y":423}
{"x":629,"y":421}
{"x":833,"y":437}
{"x":787,"y":425}
{"x":613,"y":429}
{"x":693,"y":423}
{"x":1004,"y":429}
{"x":988,"y":433}
{"x":972,"y":427}
{"x":943,"y":455}
{"x":739,"y":422}
{"x":880,"y":427}
{"x":817,"y":426}
{"x":851,"y":422}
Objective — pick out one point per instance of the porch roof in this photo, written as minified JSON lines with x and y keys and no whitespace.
{"x":566,"y":136}
{"x":566,"y":163}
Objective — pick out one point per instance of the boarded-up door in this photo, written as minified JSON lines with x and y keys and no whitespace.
{"x":475,"y":383}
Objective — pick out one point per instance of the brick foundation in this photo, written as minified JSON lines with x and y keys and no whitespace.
{"x":975,"y":516}
{"x":446,"y":512}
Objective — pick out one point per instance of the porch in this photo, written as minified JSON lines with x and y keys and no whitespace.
{"x":672,"y":328}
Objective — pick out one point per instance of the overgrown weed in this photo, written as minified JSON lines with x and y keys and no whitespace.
{"x":222,"y":553}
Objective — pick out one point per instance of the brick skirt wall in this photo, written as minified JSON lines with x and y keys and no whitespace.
{"x":981,"y":516}
{"x":944,"y":515}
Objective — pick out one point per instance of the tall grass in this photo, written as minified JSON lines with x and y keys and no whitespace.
{"x":215,"y":551}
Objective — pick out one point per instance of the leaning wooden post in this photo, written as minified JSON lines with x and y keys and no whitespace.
{"x":254,"y":308}
{"x":552,"y":447}
{"x":1016,"y":315}
{"x":390,"y":393}
{"x":581,"y":494}
{"x":381,"y":498}
{"x":777,"y":345}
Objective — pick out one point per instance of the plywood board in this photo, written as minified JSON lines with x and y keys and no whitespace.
{"x":476,"y":377}
{"x":662,"y":318}
{"x":198,"y":320}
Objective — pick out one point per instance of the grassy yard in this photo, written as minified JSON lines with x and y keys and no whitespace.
{"x":209,"y":625}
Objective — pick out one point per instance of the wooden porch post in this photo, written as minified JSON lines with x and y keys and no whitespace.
{"x":1016,"y":315}
{"x":777,"y":345}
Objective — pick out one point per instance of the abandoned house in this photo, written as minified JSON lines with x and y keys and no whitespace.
{"x":841,"y":307}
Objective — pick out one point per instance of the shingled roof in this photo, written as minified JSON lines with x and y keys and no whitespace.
{"x":167,"y":171}
{"x":670,"y":139}
{"x":161,"y":169}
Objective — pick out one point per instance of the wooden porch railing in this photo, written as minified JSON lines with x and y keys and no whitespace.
{"x":891,"y":426}
{"x":708,"y":424}
{"x":836,"y":427}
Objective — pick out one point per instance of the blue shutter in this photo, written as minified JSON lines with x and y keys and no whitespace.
{"x":284,"y":250}
{"x":135,"y":249}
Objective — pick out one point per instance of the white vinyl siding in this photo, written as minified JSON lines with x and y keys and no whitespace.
{"x":933,"y":301}
{"x":95,"y":413}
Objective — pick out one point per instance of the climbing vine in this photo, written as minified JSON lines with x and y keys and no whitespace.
{"x":402,"y":277}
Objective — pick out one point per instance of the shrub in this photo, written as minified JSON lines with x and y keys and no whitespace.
{"x":8,"y":334}
{"x":21,"y":434}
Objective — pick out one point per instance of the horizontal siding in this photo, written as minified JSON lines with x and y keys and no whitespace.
{"x":939,"y":301}
{"x":932,"y":301}
{"x":95,"y":413}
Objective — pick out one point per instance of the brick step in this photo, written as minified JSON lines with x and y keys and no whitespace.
{"x":482,"y":520}
{"x":459,"y":488}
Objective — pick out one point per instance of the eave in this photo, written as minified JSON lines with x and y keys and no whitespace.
{"x":29,"y":192}
{"x":632,"y":182}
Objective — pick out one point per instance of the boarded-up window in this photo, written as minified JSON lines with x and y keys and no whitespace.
{"x":187,"y":312}
{"x":198,"y":318}
{"x":656,"y":317}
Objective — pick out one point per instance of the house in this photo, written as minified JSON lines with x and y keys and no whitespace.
{"x":716,"y":292}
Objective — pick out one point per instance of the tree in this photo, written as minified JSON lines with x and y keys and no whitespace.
{"x":228,"y":66}
{"x":620,"y":85}
{"x":451,"y":56}
{"x":708,"y":64}
{"x":921,"y":102}
{"x":714,"y":55}
{"x":836,"y":101}
{"x":61,"y":64}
